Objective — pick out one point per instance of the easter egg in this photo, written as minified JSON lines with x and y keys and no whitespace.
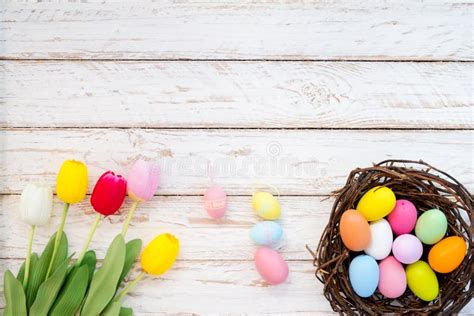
{"x":403,"y":217}
{"x":271,"y":265}
{"x":422,"y":281}
{"x":407,"y":248}
{"x":392,"y":278}
{"x":215,"y":202}
{"x":447,"y":254}
{"x":266,"y":233}
{"x":376,"y":203}
{"x":266,"y":205}
{"x":354,"y":229}
{"x":381,"y":239}
{"x":364,"y":275}
{"x":431,"y":226}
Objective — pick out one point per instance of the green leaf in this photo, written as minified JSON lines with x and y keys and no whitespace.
{"x":104,"y":282}
{"x":48,"y":291}
{"x":132,"y":250}
{"x":126,"y":311}
{"x":72,"y":293}
{"x":15,"y":300}
{"x":112,"y":310}
{"x":40,"y":268}
{"x":21,"y":272}
{"x":90,"y":261}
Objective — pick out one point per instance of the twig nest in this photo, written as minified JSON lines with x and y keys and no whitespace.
{"x":433,"y":205}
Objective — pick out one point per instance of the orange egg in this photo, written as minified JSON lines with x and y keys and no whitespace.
{"x":355,"y":231}
{"x":447,"y":254}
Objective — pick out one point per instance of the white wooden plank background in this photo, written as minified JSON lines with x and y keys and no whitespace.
{"x":290,"y":29}
{"x":237,"y":94}
{"x":297,"y":162}
{"x":293,"y":93}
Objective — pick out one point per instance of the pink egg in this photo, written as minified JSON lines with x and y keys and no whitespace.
{"x":407,"y":248}
{"x":215,"y":202}
{"x":403,"y":217}
{"x":392,"y":278}
{"x":271,"y":266}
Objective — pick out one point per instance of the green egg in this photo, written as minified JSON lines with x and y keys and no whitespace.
{"x":431,"y":226}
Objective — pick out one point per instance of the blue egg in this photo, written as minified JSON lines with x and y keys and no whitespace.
{"x":364,"y":275}
{"x":266,"y":233}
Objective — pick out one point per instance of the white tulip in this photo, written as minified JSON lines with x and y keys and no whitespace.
{"x":36,"y":204}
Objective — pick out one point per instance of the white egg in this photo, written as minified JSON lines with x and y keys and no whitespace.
{"x":381,"y":239}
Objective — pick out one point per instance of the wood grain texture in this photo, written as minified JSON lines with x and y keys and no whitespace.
{"x":297,"y":162}
{"x":202,"y":238}
{"x":222,"y":287}
{"x":296,"y":30}
{"x":237,"y":94}
{"x":225,"y":288}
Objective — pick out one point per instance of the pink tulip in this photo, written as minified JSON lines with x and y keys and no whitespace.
{"x":143,"y":180}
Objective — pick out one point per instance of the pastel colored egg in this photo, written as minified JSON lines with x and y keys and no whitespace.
{"x":354,"y":230}
{"x":431,"y":226}
{"x":271,"y":266}
{"x":364,"y":275}
{"x":407,"y":248}
{"x":392,"y":278}
{"x":381,"y":239}
{"x":266,"y":205}
{"x":266,"y":233}
{"x":376,"y":203}
{"x":447,"y":255}
{"x":215,"y":202}
{"x":403,"y":217}
{"x":422,"y":281}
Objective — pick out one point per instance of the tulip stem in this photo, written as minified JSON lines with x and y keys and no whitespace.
{"x":130,"y":286}
{"x":28,"y":256}
{"x":129,"y":218}
{"x":89,"y":238}
{"x":58,"y":239}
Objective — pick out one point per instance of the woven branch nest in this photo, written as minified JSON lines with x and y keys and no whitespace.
{"x":425,"y":186}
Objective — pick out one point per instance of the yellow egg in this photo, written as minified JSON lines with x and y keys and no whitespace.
{"x":266,"y":205}
{"x":377,"y":203}
{"x":447,"y":254}
{"x":422,"y":281}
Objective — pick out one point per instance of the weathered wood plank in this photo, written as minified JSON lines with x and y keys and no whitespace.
{"x":376,"y":30}
{"x":237,"y":94}
{"x":203,"y":287}
{"x":303,"y":220}
{"x":224,"y":287}
{"x":301,"y":162}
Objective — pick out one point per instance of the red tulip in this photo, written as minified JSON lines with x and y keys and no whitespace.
{"x":109,"y":193}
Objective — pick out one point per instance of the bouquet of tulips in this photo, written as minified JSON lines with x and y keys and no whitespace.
{"x":52,"y":282}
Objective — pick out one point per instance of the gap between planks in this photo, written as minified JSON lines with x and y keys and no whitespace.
{"x":263,"y":60}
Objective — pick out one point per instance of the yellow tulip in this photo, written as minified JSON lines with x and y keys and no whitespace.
{"x":160,"y":254}
{"x":71,"y":183}
{"x":71,"y":187}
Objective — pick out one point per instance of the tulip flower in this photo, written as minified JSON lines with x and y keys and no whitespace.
{"x":71,"y":187}
{"x":106,"y":199}
{"x":36,"y":205}
{"x":142,"y":182}
{"x":157,"y":258}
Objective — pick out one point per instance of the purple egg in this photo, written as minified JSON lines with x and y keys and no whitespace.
{"x":403,"y":217}
{"x":407,"y":248}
